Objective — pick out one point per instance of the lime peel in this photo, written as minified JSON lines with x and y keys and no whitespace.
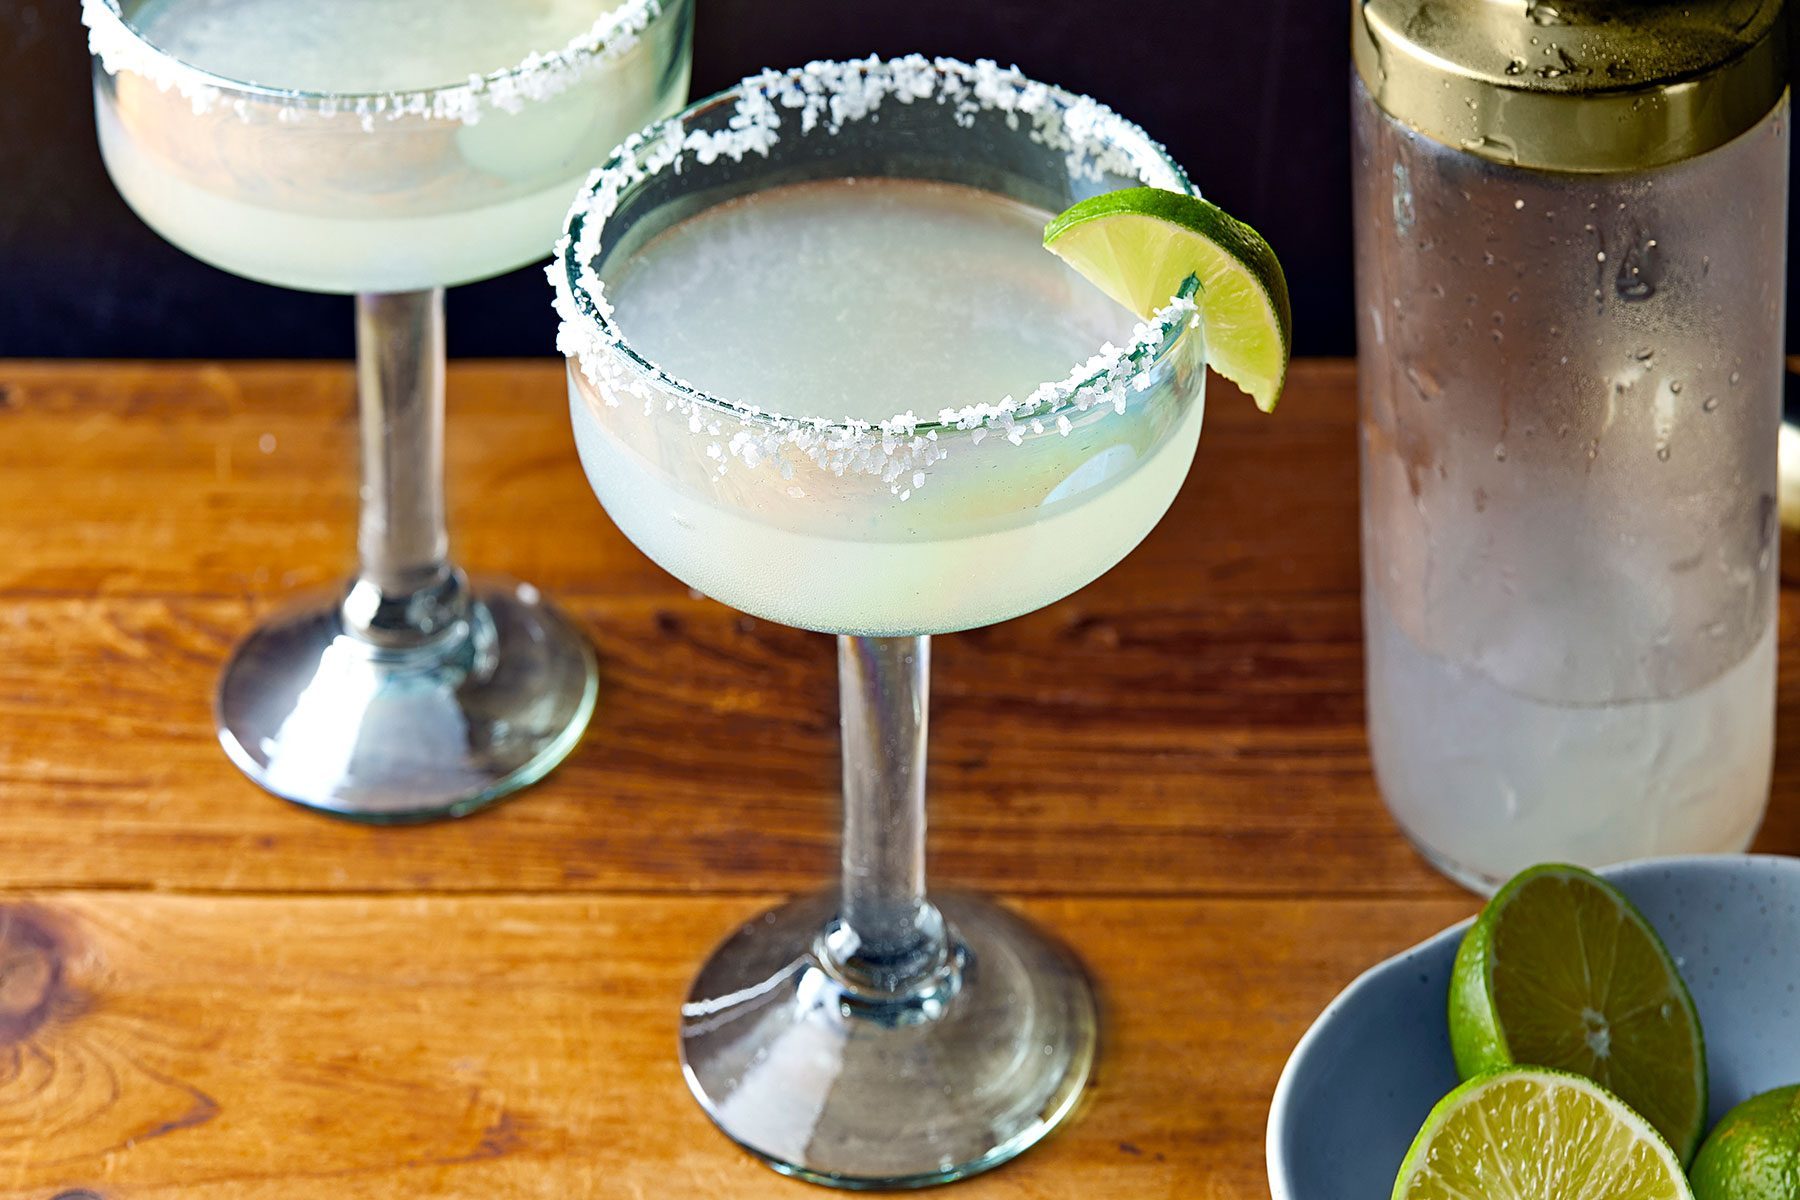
{"x":1754,"y":1151}
{"x":1139,"y":245}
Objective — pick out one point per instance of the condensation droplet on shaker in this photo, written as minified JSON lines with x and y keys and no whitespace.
{"x":1640,"y":269}
{"x":1498,"y":148}
{"x":1424,"y":382}
{"x":1404,"y":212}
{"x":1500,"y":452}
{"x":1565,"y":64}
{"x":1711,"y":404}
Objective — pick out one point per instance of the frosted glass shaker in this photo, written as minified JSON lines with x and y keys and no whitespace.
{"x":1571,"y":248}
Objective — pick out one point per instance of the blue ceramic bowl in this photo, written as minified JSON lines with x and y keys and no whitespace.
{"x":1363,"y":1079}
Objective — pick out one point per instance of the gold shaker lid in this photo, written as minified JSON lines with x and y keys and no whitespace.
{"x":1574,"y":85}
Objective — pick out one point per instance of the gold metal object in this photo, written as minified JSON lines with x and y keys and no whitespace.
{"x":1574,"y":85}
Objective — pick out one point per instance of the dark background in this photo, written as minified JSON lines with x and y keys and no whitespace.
{"x":1252,"y":98}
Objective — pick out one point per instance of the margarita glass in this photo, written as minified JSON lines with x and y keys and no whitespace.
{"x":890,"y":214}
{"x":386,"y":149}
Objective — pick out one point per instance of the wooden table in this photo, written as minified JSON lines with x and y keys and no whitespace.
{"x":208,"y":995}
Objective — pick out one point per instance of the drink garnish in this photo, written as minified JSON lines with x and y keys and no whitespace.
{"x":1139,"y":245}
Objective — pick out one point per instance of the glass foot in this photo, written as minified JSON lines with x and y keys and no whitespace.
{"x":330,"y":722}
{"x":823,"y":1084}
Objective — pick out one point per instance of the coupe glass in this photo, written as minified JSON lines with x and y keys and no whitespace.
{"x":875,"y":1036}
{"x":412,"y":693}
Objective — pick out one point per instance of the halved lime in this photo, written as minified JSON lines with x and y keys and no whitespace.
{"x":1140,"y":244}
{"x":1561,"y":971}
{"x":1754,"y":1152}
{"x":1533,"y":1134}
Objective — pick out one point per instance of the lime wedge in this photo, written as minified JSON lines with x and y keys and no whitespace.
{"x":1139,"y":245}
{"x":1532,"y":1134}
{"x":1754,"y":1152}
{"x":1561,"y":971}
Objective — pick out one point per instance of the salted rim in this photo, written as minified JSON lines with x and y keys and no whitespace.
{"x":120,"y":47}
{"x":1096,"y":141}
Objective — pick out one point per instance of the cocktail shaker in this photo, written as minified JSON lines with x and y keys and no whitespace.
{"x":1571,"y":248}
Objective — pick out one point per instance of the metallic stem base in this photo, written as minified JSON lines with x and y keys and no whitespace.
{"x":831,"y":1085}
{"x":335,"y":723}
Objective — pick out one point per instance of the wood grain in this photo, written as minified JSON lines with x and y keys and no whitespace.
{"x":1209,"y":733}
{"x":257,"y":1048}
{"x":1214,"y":754}
{"x":240,"y":481}
{"x":206,"y":994}
{"x":1212,"y":750}
{"x":1200,"y":708}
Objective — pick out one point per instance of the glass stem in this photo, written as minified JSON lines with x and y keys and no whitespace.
{"x":406,"y":593}
{"x":888,"y":937}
